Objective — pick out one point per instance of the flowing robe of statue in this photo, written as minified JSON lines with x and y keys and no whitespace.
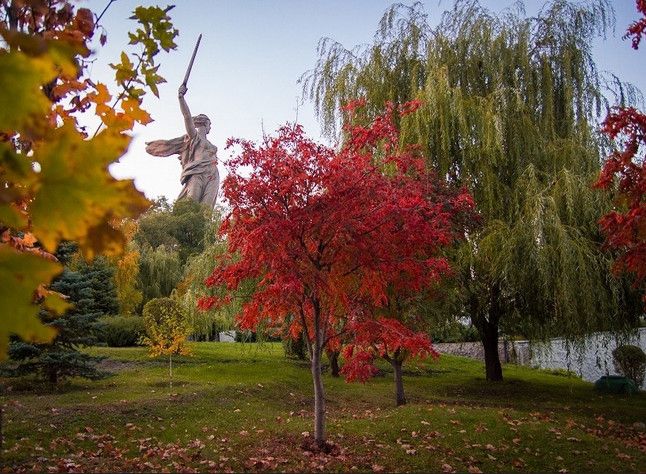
{"x":197,"y":155}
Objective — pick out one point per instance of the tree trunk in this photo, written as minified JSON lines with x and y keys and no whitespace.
{"x":487,"y":326}
{"x":319,"y":396}
{"x":170,"y":369}
{"x":334,"y":362}
{"x":400,"y":398}
{"x":489,"y":338}
{"x":52,"y":377}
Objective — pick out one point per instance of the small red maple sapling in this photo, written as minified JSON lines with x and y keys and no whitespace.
{"x":326,"y":235}
{"x":429,"y":217}
{"x":390,"y":340}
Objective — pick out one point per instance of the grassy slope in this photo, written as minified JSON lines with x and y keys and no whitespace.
{"x":246,"y":407}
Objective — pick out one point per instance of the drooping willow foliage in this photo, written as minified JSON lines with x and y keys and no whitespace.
{"x":206,"y":323}
{"x":510,"y":109}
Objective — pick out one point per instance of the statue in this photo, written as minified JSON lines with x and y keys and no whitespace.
{"x":198,"y":156}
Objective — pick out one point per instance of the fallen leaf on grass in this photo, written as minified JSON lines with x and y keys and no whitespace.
{"x":519,"y":463}
{"x":447,"y":468}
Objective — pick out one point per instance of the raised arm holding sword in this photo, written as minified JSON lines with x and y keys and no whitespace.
{"x":198,"y":156}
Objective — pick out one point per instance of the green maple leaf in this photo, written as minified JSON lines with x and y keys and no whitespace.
{"x":23,"y":99}
{"x":76,"y":193}
{"x":20,"y":275}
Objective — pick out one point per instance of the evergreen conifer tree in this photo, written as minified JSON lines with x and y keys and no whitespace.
{"x":90,"y":288}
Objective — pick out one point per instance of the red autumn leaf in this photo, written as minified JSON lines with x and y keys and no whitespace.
{"x":624,"y":173}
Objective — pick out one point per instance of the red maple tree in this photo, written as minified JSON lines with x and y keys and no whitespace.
{"x":625,"y":227}
{"x":327,"y":235}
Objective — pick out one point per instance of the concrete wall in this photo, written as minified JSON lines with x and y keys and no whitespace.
{"x":227,"y":336}
{"x":594,"y":361}
{"x":473,"y":350}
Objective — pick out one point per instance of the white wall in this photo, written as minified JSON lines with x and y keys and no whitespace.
{"x":592,"y":363}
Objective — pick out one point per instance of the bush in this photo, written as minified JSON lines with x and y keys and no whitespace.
{"x":121,"y":331}
{"x":295,"y":348}
{"x":454,"y":331}
{"x":630,"y":361}
{"x":246,"y":336}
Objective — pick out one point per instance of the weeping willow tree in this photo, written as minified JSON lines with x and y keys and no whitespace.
{"x":160,"y":270}
{"x":206,"y":323}
{"x":510,"y":107}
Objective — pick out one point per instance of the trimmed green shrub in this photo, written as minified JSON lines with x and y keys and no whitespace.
{"x":121,"y":331}
{"x":454,"y":331}
{"x":630,"y":361}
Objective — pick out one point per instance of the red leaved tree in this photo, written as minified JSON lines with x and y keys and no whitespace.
{"x":326,"y":235}
{"x":625,"y":227}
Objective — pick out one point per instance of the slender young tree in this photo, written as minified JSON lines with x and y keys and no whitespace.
{"x":510,"y":107}
{"x":167,"y":329}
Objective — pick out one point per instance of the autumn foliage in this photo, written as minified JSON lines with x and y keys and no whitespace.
{"x":386,"y":338}
{"x":638,"y":28}
{"x":327,"y":235}
{"x":167,"y":330}
{"x":624,"y":173}
{"x":54,"y":170}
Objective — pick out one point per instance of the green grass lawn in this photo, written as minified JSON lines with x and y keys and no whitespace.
{"x":246,"y":407}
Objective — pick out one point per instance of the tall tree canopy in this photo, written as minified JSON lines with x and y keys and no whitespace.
{"x":168,"y":238}
{"x":182,"y":227}
{"x":510,"y":106}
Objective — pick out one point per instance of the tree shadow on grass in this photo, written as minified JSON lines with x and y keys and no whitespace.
{"x":536,"y":395}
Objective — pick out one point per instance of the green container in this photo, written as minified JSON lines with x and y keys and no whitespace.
{"x":615,"y":384}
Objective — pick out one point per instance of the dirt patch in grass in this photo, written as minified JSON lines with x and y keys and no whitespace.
{"x":115,"y":366}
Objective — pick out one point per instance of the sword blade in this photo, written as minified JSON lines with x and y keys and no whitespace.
{"x":190,"y":64}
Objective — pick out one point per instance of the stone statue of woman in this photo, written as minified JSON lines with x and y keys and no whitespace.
{"x":198,"y":156}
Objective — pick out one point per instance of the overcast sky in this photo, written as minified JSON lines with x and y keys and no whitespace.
{"x":251,"y":56}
